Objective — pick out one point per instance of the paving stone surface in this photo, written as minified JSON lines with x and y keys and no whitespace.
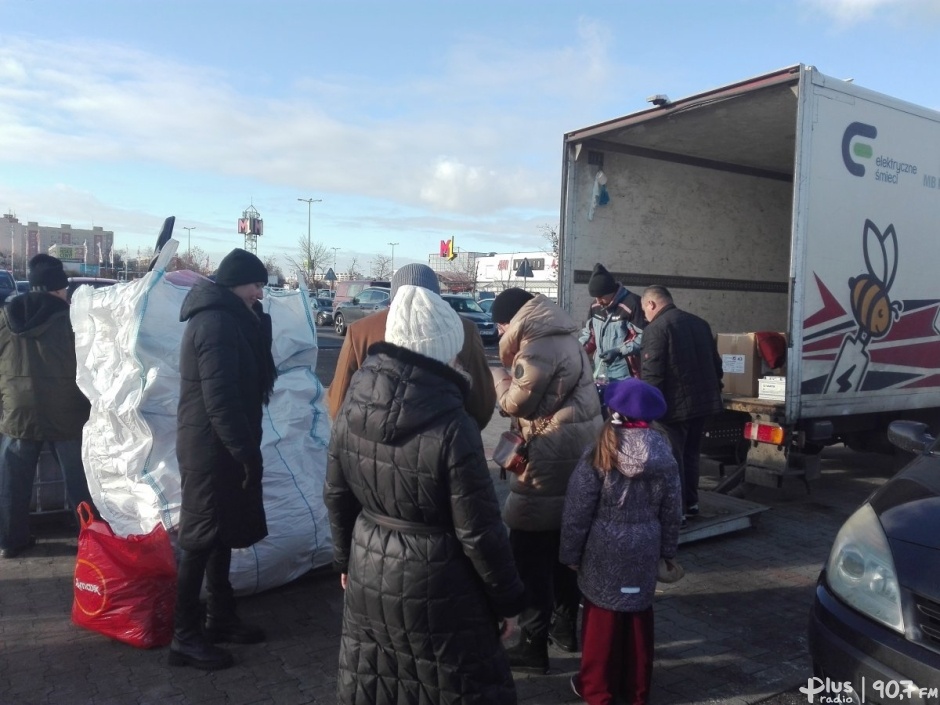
{"x":733,"y":631}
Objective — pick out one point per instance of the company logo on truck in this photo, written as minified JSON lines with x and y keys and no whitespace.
{"x":888,"y":170}
{"x":862,"y":150}
{"x":898,"y":339}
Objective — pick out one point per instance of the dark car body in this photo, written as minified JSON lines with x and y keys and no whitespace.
{"x":322,"y":307}
{"x":470,"y":309}
{"x":349,"y":289}
{"x":366,"y":302}
{"x":876,"y":614}
{"x":7,"y":285}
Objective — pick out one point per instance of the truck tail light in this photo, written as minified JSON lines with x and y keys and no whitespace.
{"x":764,"y":433}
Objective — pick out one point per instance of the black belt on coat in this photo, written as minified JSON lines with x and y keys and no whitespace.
{"x":407,"y":527}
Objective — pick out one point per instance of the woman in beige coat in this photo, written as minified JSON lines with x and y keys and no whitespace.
{"x":549,"y":391}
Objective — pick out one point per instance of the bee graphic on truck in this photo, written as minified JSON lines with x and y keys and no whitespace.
{"x":878,"y":343}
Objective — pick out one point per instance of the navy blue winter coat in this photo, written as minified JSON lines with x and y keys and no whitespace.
{"x":617,"y":525}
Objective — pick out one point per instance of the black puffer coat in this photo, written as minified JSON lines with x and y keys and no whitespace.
{"x":423,"y":599}
{"x":681,"y":359}
{"x":225,"y":351}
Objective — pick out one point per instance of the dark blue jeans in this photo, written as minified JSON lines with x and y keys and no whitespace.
{"x":18,"y":460}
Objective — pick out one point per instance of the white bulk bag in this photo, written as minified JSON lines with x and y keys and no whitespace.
{"x":127,"y":340}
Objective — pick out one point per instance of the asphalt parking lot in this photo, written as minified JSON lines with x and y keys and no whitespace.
{"x":732,"y":631}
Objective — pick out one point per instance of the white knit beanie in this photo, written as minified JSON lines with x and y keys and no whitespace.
{"x":421,"y":321}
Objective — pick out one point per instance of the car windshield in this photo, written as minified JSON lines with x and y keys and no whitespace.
{"x":464,"y":305}
{"x":7,"y":281}
{"x":325,"y":303}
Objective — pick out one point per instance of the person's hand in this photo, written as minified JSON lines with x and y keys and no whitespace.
{"x":574,"y":568}
{"x":343,"y":580}
{"x":608,"y":356}
{"x":500,"y":374}
{"x":508,"y":627}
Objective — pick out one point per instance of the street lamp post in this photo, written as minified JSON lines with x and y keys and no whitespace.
{"x":309,"y":202}
{"x":393,"y":255}
{"x":189,"y":242}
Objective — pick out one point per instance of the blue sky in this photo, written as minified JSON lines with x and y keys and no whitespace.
{"x":412,"y":121}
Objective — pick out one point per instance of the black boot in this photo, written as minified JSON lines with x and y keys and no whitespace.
{"x":530,"y":655}
{"x":190,"y":648}
{"x":222,"y":622}
{"x":232,"y":630}
{"x":563,"y":633}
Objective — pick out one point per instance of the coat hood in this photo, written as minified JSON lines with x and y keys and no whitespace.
{"x":639,"y":453}
{"x":29,"y":313}
{"x":538,"y":318}
{"x":209,"y":295}
{"x":398,"y":393}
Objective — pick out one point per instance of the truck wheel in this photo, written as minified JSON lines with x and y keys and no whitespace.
{"x":339,"y":325}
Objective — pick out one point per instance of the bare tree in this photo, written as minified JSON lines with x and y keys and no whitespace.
{"x":550,"y":233}
{"x":312,"y":259}
{"x":352,"y":271}
{"x":382,"y":267}
{"x":194,"y":259}
{"x":270,"y":263}
{"x":464,"y":268}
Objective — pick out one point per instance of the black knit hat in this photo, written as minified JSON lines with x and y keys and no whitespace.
{"x":601,"y":283}
{"x":47,"y":274}
{"x":508,"y":303}
{"x":240,"y":267}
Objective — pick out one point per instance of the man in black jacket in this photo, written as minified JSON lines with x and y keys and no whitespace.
{"x":42,"y":404}
{"x":681,"y":359}
{"x":227,"y":376}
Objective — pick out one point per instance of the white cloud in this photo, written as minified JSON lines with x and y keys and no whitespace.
{"x":497,"y":112}
{"x":849,"y":12}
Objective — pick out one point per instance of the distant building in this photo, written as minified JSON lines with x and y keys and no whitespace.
{"x":20,"y":242}
{"x":481,"y":271}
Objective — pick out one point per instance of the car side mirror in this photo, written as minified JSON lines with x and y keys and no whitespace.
{"x":911,"y":436}
{"x":355,"y":301}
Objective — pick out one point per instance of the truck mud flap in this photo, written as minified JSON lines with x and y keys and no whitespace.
{"x":720,"y":514}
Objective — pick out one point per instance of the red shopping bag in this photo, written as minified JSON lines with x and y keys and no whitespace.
{"x":124,"y":588}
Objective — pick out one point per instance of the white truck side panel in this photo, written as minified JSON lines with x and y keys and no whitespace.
{"x":672,"y":219}
{"x":865,"y":324}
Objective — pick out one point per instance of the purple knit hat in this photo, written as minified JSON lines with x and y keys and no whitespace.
{"x":635,"y":399}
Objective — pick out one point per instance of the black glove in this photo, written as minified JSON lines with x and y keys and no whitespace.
{"x":608,"y":356}
{"x":252,"y":476}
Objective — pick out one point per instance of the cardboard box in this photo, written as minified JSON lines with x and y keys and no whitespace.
{"x":740,"y":363}
{"x":774,"y":388}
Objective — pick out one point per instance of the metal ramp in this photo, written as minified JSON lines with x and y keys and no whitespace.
{"x":720,"y":514}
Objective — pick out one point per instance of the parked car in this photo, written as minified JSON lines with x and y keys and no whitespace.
{"x":876,"y":615}
{"x":367,"y":301}
{"x":322,"y":310}
{"x":487,"y":306}
{"x":347,"y":290}
{"x":470,"y":309}
{"x":7,"y":285}
{"x":22,"y":286}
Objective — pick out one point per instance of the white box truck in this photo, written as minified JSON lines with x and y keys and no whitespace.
{"x":792,"y":202}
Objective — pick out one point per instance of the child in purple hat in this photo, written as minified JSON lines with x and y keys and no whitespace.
{"x":621,"y":516}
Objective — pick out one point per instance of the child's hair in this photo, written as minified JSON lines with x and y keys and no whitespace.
{"x":605,"y":450}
